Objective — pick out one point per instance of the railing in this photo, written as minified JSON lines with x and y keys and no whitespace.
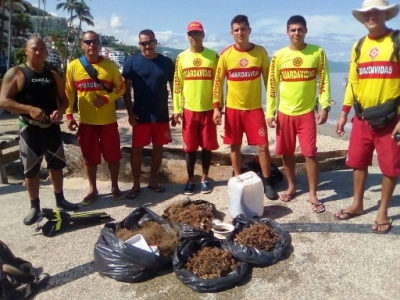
{"x":7,"y":141}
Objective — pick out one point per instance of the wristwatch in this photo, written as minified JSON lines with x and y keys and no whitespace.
{"x":327,"y":108}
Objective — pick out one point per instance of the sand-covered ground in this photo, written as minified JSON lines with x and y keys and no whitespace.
{"x":327,"y":140}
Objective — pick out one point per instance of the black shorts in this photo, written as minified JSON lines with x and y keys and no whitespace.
{"x":36,"y":143}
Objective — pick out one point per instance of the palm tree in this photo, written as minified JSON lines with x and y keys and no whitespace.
{"x":23,"y":24}
{"x":9,"y":35}
{"x":3,"y":8}
{"x":84,"y":16}
{"x":43,"y":14}
{"x":37,"y":21}
{"x":69,"y":6}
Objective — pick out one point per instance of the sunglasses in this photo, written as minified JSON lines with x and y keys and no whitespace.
{"x":195,"y":33}
{"x":89,"y":42}
{"x":148,"y":43}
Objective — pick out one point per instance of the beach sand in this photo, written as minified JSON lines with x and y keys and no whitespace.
{"x":327,"y":140}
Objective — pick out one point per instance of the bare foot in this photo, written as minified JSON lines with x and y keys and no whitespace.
{"x":348,"y":213}
{"x":382,"y":225}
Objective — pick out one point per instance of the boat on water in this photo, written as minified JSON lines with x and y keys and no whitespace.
{"x":344,"y":81}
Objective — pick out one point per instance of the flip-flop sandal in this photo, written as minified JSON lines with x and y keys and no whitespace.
{"x":89,"y":199}
{"x":157,"y":188}
{"x":349,"y":215}
{"x":315,"y":207}
{"x":286,"y":197}
{"x":117,"y":194}
{"x":133,"y":194}
{"x":388,"y":224}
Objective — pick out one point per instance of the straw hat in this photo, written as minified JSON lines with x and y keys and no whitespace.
{"x":392,"y":10}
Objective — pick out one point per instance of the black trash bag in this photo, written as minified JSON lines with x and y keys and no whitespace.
{"x":259,"y":258}
{"x":276,"y":174}
{"x":189,"y":232}
{"x":123,"y":262}
{"x":16,"y":275}
{"x":190,"y":246}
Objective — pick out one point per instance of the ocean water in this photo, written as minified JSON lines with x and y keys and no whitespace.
{"x":337,"y":93}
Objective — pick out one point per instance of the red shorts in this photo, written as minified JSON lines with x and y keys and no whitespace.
{"x":99,"y":139}
{"x":157,"y":133}
{"x":199,"y":129}
{"x":252,"y":122}
{"x":362,"y":143}
{"x":303,"y":126}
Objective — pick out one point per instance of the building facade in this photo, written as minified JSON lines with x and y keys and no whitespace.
{"x":48,"y":24}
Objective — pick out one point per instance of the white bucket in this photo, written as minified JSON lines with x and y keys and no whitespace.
{"x":222,"y":230}
{"x":246,"y":195}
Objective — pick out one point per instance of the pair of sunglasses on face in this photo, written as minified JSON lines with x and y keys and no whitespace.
{"x":148,"y":43}
{"x":194,"y":33}
{"x":89,"y":42}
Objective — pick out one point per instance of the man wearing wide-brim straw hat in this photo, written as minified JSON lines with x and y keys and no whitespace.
{"x":390,"y":11}
{"x":373,"y":84}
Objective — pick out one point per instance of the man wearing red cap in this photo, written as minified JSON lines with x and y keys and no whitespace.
{"x":193,"y":103}
{"x":373,"y":89}
{"x":244,"y":64}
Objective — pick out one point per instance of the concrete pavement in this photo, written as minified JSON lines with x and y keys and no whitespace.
{"x":330,"y":259}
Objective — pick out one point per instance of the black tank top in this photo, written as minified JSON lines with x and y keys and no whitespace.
{"x":40,"y":90}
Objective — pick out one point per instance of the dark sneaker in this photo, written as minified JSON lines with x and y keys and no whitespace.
{"x":32,"y":216}
{"x":64,"y":204}
{"x":205,"y":187}
{"x":189,"y":188}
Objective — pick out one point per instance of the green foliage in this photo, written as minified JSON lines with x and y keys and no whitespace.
{"x":84,"y":15}
{"x":54,"y":67}
{"x":23,"y":23}
{"x":19,"y":56}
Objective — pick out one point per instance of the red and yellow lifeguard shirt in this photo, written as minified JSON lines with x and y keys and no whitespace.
{"x":294,"y":77}
{"x":374,"y":79}
{"x":243,"y":71}
{"x":79,"y":84}
{"x":193,"y":80}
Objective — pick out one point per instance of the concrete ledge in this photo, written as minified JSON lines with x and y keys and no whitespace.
{"x":173,"y":166}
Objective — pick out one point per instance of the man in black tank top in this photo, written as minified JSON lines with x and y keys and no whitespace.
{"x":37,"y":94}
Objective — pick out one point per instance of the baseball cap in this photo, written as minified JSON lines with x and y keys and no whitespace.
{"x":194,"y":26}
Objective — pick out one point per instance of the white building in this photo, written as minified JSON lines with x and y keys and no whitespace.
{"x":53,"y":57}
{"x":49,"y":24}
{"x":116,"y":56}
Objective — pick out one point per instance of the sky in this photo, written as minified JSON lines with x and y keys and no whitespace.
{"x":330,"y":23}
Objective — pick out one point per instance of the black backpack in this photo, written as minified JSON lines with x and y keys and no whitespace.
{"x":16,"y":275}
{"x":276,"y":174}
{"x":396,"y":47}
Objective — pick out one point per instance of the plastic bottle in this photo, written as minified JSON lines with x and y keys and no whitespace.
{"x":246,"y":195}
